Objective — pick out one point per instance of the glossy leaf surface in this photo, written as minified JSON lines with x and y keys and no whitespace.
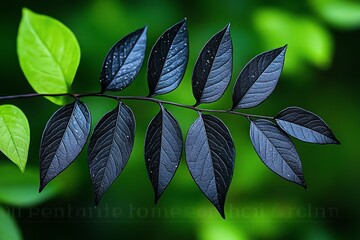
{"x":163,"y":146}
{"x":210,"y":156}
{"x":123,"y":62}
{"x":64,"y":137}
{"x":258,"y":79}
{"x":110,"y":147}
{"x":276,"y":150}
{"x":305,"y":126}
{"x":168,"y":60}
{"x":213,"y":68}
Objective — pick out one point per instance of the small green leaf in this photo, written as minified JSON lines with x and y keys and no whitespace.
{"x":22,"y":190}
{"x":49,"y":54}
{"x":8,"y":227}
{"x":14,"y":135}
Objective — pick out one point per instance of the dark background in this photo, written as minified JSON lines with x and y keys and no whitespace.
{"x":321,"y":74}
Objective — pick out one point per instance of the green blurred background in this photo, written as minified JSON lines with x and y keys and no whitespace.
{"x":321,"y":74}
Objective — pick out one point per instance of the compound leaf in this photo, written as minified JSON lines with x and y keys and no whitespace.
{"x":210,"y":156}
{"x":49,"y":54}
{"x":14,"y":135}
{"x":64,"y":137}
{"x":305,"y":126}
{"x":123,"y":62}
{"x":258,"y":79}
{"x":276,"y":150}
{"x":213,"y":68}
{"x":110,"y":147}
{"x":168,"y":60}
{"x":163,"y":146}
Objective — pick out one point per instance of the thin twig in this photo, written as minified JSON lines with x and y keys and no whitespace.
{"x":136,"y":98}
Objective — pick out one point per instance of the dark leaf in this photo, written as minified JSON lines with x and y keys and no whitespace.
{"x":63,"y":139}
{"x":110,"y":147}
{"x":258,"y":79}
{"x":168,"y":60}
{"x":213,"y":68}
{"x":123,"y":62}
{"x":276,"y":150}
{"x":305,"y":126}
{"x":163,"y":145}
{"x":210,"y":156}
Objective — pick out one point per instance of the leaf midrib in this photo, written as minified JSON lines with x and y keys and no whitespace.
{"x":274,"y":147}
{"x":112,"y":143}
{"x":212,"y":163}
{"x":258,"y":76}
{"x":212,"y":63}
{"x":126,"y":57}
{"x":67,"y":125}
{"x":167,"y":54}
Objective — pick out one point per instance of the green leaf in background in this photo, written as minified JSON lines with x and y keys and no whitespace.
{"x":14,"y":135}
{"x":220,"y":230}
{"x":49,"y":54}
{"x":339,"y":13}
{"x":8,"y":227}
{"x":22,"y":190}
{"x":308,"y":41}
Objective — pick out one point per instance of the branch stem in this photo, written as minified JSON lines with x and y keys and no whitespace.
{"x":136,"y":98}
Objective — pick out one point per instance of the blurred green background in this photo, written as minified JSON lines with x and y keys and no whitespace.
{"x":321,"y":74}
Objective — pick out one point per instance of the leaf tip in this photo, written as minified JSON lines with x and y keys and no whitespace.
{"x":302,"y":183}
{"x":336,"y":141}
{"x":156,"y":198}
{"x":221,"y":211}
{"x":144,"y":29}
{"x":183,"y":22}
{"x":97,"y":200}
{"x":227,"y":27}
{"x":25,"y":11}
{"x":41,"y":188}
